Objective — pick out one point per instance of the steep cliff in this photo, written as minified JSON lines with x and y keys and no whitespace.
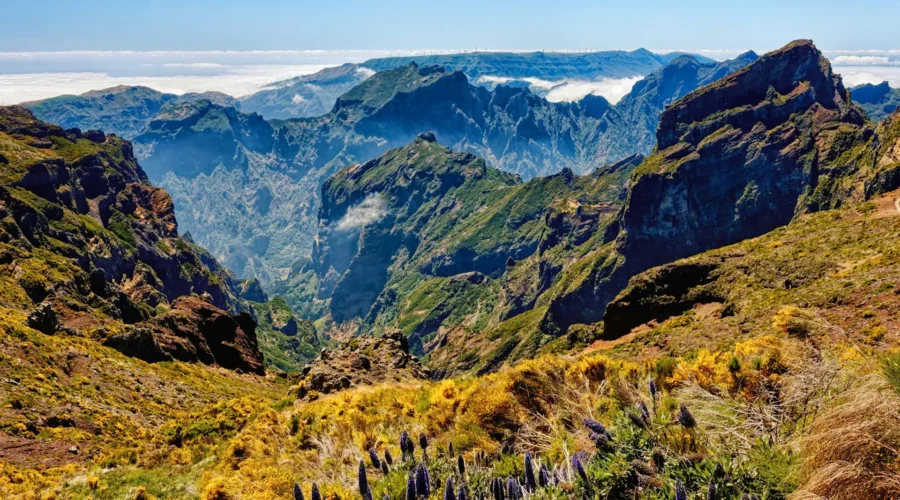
{"x":734,"y":160}
{"x":93,"y":249}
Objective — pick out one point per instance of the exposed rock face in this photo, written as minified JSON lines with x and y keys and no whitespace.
{"x":735,"y":159}
{"x":85,"y":236}
{"x":196,"y":331}
{"x":361,"y":361}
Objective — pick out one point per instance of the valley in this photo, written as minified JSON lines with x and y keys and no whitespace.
{"x":689,"y":293}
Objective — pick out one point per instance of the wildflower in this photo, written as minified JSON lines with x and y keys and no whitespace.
{"x":461,"y":465}
{"x":637,"y":421}
{"x":448,"y":490}
{"x":513,"y":490}
{"x":386,"y":497}
{"x":461,"y":494}
{"x":595,"y":426}
{"x":658,"y":459}
{"x":680,"y":492}
{"x":685,"y":417}
{"x":423,"y":441}
{"x":543,"y":476}
{"x":388,"y":457}
{"x":373,"y":456}
{"x":406,"y":446}
{"x":364,"y":482}
{"x":712,"y":493}
{"x":314,"y":492}
{"x":411,"y":486}
{"x":530,"y":481}
{"x":298,"y":493}
{"x":384,"y":468}
{"x":450,"y":449}
{"x":423,"y":485}
{"x":645,"y":412}
{"x":601,"y":441}
{"x":653,"y":390}
{"x":579,"y":467}
{"x":497,"y":489}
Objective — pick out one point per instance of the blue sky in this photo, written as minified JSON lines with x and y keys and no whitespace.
{"x":395,"y":24}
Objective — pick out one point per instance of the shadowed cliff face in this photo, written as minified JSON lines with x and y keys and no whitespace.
{"x":735,"y":159}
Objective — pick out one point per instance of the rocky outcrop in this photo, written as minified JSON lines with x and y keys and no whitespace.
{"x":735,"y":159}
{"x":361,"y":361}
{"x":95,"y":248}
{"x":196,"y":331}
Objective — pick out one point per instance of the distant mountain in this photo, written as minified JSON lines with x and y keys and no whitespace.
{"x":246,"y":188}
{"x":305,"y":96}
{"x":550,"y":66}
{"x":477,"y":268}
{"x":879,"y":101}
{"x":123,"y":110}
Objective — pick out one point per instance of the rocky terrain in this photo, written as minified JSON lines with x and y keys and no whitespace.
{"x":361,"y":361}
{"x":879,"y":101}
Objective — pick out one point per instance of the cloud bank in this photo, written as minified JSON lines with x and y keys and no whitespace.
{"x":236,"y":81}
{"x":372,"y":209}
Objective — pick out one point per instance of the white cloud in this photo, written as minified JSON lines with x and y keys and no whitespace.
{"x":365,"y":72}
{"x":236,"y":81}
{"x":857,"y":75}
{"x":863,"y":61}
{"x":297,"y":99}
{"x":612,"y":89}
{"x":372,"y":209}
{"x":193,"y":65}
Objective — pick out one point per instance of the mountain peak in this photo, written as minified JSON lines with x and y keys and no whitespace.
{"x":796,"y":75}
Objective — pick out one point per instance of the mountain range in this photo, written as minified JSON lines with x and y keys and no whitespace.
{"x":715,"y":317}
{"x":503,"y":275}
{"x":246,"y":188}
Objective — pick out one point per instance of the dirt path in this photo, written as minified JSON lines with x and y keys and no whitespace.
{"x":37,"y":452}
{"x":888,"y":205}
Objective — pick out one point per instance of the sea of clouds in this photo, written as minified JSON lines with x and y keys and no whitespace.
{"x":27,"y":76}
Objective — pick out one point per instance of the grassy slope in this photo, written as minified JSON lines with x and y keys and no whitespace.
{"x":768,"y":380}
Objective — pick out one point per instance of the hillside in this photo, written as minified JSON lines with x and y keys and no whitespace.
{"x":124,"y":111}
{"x":715,"y":320}
{"x":879,"y":101}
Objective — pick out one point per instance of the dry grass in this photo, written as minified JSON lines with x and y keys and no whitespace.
{"x":852,"y":448}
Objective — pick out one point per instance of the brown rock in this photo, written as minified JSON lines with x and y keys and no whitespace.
{"x":194,"y":330}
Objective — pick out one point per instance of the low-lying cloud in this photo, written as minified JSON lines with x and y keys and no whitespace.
{"x":613,"y":89}
{"x":235,"y":81}
{"x":372,"y":209}
{"x":857,"y":75}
